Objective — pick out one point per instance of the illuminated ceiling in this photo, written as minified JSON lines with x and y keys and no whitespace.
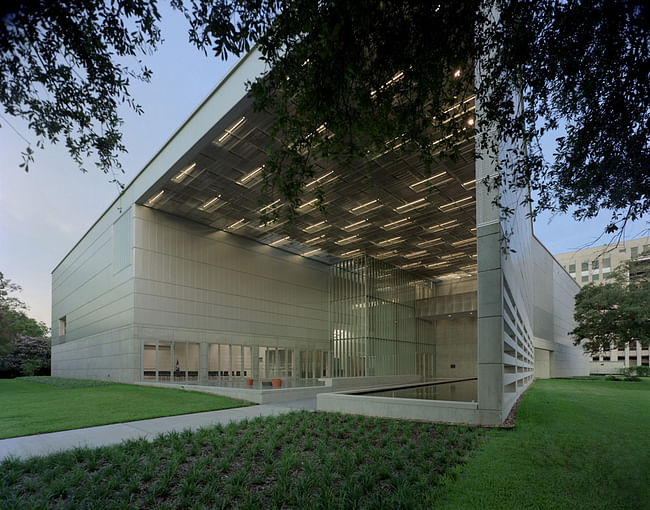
{"x":422,"y":223}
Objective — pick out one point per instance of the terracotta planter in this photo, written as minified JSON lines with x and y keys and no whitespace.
{"x":276,"y":383}
{"x":249,"y":382}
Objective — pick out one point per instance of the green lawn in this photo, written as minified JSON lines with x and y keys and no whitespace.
{"x":47,"y":404}
{"x":578,"y":444}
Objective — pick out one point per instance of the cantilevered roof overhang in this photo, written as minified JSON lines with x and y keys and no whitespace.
{"x":422,"y":222}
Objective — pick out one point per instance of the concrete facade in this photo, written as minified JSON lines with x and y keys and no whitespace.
{"x":176,"y":283}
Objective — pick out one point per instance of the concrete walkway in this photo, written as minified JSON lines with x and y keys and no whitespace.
{"x":42,"y":444}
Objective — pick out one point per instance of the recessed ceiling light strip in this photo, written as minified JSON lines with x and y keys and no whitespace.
{"x":396,"y":224}
{"x":270,"y":206}
{"x":464,"y":242}
{"x":427,"y":183}
{"x":347,"y":240}
{"x":154,"y":198}
{"x":279,"y":241}
{"x":209,"y":203}
{"x":416,"y":204}
{"x":251,"y":177}
{"x":238,"y":224}
{"x":316,"y":227}
{"x":430,"y":242}
{"x":231,"y":130}
{"x":443,"y":226}
{"x":416,"y":254}
{"x":391,"y":241}
{"x":183,"y":173}
{"x":457,"y":204}
{"x":356,"y":226}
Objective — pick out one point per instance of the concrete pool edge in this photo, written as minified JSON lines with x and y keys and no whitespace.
{"x":351,"y":402}
{"x":439,"y":382}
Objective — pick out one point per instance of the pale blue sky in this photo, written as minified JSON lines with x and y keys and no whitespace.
{"x":43,"y":213}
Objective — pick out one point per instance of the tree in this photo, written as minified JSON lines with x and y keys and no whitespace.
{"x":614,"y":313}
{"x":28,"y":356}
{"x":350,"y":79}
{"x":62,"y":68}
{"x":14,"y":320}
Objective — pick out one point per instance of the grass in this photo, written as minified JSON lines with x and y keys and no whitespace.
{"x":34,"y":405}
{"x":297,"y":460}
{"x":578,"y":444}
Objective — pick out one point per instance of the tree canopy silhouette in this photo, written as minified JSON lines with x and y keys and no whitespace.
{"x":348,"y":79}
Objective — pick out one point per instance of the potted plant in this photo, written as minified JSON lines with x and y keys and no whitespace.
{"x":249,"y":382}
{"x":276,"y":383}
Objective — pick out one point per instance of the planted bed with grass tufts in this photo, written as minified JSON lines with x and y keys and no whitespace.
{"x":298,"y":460}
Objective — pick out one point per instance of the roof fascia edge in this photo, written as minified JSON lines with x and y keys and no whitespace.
{"x":252,"y":54}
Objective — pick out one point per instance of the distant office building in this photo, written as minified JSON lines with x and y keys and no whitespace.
{"x":596,"y":265}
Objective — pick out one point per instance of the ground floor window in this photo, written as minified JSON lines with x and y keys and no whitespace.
{"x":164,"y":361}
{"x":170,"y":361}
{"x":226,"y":360}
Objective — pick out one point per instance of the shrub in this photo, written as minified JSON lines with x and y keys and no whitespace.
{"x":27,"y":356}
{"x":632,"y":378}
{"x":639,"y":370}
{"x":612,"y":378}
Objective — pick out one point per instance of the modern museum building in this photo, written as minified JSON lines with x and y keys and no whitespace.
{"x":400,"y":301}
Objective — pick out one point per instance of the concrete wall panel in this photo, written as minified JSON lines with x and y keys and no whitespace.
{"x":553,"y":303}
{"x":112,"y":355}
{"x":195,"y":283}
{"x":455,"y":341}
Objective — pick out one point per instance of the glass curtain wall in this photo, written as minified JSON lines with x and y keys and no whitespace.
{"x":374,"y":330}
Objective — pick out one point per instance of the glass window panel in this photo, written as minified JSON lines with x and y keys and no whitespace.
{"x":193,"y":361}
{"x":236,"y":370}
{"x":179,"y":360}
{"x":149,"y":360}
{"x":263,"y":362}
{"x":164,"y":358}
{"x":303,"y":364}
{"x":248,"y":363}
